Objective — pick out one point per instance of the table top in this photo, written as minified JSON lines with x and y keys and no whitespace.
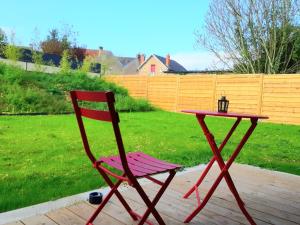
{"x":228,"y":114}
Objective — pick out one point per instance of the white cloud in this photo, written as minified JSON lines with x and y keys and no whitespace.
{"x":198,"y":61}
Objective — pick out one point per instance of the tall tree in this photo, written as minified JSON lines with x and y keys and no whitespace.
{"x":58,"y":41}
{"x":254,"y":36}
{"x":53,"y":43}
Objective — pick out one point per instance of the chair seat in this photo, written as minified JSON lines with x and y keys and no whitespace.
{"x":140,"y":164}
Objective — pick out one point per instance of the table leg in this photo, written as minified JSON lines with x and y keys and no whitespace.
{"x":224,"y":169}
{"x":211,"y":162}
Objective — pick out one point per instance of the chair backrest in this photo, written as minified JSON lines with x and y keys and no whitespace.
{"x":109,"y":116}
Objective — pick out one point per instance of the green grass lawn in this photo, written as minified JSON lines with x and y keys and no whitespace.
{"x":42,"y":157}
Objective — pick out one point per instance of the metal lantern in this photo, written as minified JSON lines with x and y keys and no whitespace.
{"x":223,"y":104}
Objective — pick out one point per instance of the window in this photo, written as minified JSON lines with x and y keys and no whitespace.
{"x":152,"y":68}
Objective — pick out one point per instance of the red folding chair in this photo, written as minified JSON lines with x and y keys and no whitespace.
{"x":132,"y":165}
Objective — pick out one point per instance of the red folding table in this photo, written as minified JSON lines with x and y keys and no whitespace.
{"x":224,"y":167}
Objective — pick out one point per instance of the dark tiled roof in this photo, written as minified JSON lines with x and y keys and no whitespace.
{"x":174,"y":66}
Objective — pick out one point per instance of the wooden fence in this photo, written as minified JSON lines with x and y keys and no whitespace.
{"x":277,"y":96}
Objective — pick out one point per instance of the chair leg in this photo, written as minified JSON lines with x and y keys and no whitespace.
{"x":151,"y":205}
{"x":101,"y":206}
{"x":118,"y":194}
{"x":115,"y":191}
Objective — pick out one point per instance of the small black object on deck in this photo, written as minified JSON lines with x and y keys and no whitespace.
{"x":95,"y":198}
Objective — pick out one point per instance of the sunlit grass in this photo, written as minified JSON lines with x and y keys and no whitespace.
{"x":42,"y":157}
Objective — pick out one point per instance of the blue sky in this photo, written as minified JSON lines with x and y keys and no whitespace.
{"x":124,"y":27}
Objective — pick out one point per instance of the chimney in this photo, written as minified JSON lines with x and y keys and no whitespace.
{"x":141,"y":58}
{"x":168,"y":60}
{"x":100,"y":50}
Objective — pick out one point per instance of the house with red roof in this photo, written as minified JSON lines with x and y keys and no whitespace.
{"x":153,"y":65}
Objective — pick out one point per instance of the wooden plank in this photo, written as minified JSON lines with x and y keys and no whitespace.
{"x":197,"y":90}
{"x":270,"y":198}
{"x":289,"y":94}
{"x":196,"y":84}
{"x":209,"y":213}
{"x":289,"y":110}
{"x":281,"y":90}
{"x":226,"y":208}
{"x":283,"y":76}
{"x":277,"y":193}
{"x":165,"y":207}
{"x":65,"y":217}
{"x":15,"y":223}
{"x":38,"y":220}
{"x":224,"y":193}
{"x":281,"y":98}
{"x":286,"y":80}
{"x":84,"y":210}
{"x":237,"y":94}
{"x":263,"y":216}
{"x":238,"y":88}
{"x":284,"y":116}
{"x":284,"y":120}
{"x":280,"y":114}
{"x":270,"y":177}
{"x":140,"y":208}
{"x":116,"y":210}
{"x":240,"y":174}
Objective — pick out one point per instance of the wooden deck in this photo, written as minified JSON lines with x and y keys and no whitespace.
{"x":270,"y":197}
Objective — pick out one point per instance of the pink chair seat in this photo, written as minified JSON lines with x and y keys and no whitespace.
{"x":140,"y":164}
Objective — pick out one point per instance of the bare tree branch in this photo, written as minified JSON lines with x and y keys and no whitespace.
{"x":256,"y":36}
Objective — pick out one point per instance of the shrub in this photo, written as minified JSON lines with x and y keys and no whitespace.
{"x":37,"y":58}
{"x":65,"y":65}
{"x":12,"y":52}
{"x":86,"y":65}
{"x":128,"y":104}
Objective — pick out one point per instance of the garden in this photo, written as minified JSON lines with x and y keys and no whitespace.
{"x":44,"y":151}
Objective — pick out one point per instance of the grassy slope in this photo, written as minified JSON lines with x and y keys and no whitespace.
{"x":37,"y":92}
{"x":42,"y":156}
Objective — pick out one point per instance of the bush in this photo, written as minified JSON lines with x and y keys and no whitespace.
{"x":37,"y":59}
{"x":65,"y":65}
{"x":37,"y":92}
{"x":128,"y":104}
{"x":12,"y":52}
{"x":86,"y":65}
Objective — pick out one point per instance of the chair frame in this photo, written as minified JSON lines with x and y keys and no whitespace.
{"x":112,"y":116}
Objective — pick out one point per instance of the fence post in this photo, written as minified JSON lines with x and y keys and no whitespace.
{"x":260,"y":96}
{"x":214,"y":92}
